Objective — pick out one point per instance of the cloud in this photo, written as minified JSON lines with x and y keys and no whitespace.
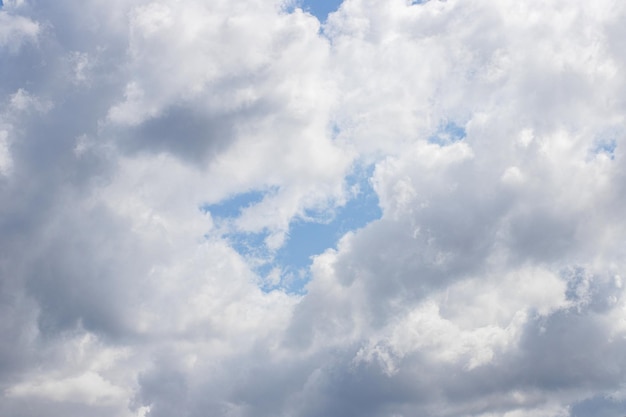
{"x":491,"y":282}
{"x":16,"y":30}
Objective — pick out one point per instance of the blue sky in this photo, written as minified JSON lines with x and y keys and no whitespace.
{"x":608,"y":147}
{"x":306,"y":237}
{"x":321,"y":8}
{"x":447,"y":133}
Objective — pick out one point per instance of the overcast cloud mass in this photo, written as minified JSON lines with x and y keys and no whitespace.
{"x":162,"y":161}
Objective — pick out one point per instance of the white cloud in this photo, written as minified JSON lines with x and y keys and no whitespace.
{"x":6,"y":163}
{"x":490,"y":286}
{"x":22,"y":100}
{"x":89,"y":388}
{"x":15,"y":30}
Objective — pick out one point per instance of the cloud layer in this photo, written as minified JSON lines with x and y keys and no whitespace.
{"x":491,"y":132}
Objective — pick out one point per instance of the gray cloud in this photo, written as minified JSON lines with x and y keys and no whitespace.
{"x":492,"y":284}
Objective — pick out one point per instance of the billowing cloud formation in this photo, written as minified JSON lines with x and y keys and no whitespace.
{"x":491,"y":132}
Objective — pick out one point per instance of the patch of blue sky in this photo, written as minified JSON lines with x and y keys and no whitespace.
{"x":249,"y":245}
{"x":607,"y":147}
{"x":233,"y":206}
{"x":606,"y":142}
{"x":448,"y":133}
{"x":320,"y":8}
{"x":308,"y":236}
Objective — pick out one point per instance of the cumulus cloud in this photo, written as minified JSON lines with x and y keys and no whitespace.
{"x":492,"y":135}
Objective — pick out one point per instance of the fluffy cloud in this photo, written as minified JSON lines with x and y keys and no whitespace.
{"x":491,"y":285}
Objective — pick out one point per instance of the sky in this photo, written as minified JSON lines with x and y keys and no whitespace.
{"x":320,"y":8}
{"x":281,"y":208}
